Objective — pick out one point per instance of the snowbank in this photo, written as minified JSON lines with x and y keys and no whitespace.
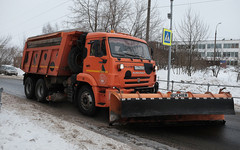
{"x":23,"y":126}
{"x":226,"y":76}
{"x":20,"y":72}
{"x":20,"y":133}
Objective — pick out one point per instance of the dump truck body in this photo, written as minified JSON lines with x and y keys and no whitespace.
{"x":108,"y":70}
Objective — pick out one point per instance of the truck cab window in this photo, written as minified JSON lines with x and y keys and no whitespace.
{"x":95,"y":46}
{"x":98,"y":49}
{"x":103,"y":48}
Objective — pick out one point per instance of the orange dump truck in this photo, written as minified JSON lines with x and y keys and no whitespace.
{"x":111,"y":70}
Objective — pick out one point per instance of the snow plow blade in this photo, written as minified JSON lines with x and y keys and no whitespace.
{"x":170,"y":106}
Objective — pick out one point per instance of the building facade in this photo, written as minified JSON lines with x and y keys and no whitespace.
{"x":227,"y":51}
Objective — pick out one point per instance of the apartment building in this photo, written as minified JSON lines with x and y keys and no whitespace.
{"x":227,"y":51}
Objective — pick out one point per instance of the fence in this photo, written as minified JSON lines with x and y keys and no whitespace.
{"x":207,"y":86}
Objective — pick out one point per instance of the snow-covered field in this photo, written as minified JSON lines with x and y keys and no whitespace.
{"x":226,"y":76}
{"x":24,"y":127}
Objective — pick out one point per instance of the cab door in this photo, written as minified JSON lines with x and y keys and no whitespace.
{"x":96,"y":63}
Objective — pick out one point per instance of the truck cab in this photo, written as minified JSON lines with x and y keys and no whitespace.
{"x":116,"y":61}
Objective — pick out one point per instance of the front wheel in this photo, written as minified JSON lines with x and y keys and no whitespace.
{"x":86,"y":101}
{"x":41,"y":90}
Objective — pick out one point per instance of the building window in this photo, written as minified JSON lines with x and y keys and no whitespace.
{"x":218,"y":45}
{"x":236,"y":54}
{"x":235,"y":63}
{"x":201,"y":46}
{"x":202,"y":54}
{"x":218,"y":54}
{"x":231,"y":45}
{"x":210,"y":54}
{"x":226,"y":54}
{"x":236,"y":45}
{"x":226,"y":46}
{"x":210,"y":46}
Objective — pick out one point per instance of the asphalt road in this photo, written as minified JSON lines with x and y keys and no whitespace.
{"x":181,"y":137}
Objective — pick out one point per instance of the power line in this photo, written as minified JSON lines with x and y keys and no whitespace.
{"x":48,"y":10}
{"x":37,"y":27}
{"x":29,"y":10}
{"x":200,"y":2}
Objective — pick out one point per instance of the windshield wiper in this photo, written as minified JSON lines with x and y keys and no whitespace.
{"x":134,"y":56}
{"x":117,"y":54}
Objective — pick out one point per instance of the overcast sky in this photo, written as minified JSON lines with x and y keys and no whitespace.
{"x":24,"y":18}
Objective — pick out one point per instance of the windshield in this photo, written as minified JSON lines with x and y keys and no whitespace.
{"x":126,"y":48}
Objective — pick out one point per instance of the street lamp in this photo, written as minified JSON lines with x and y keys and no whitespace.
{"x":214,"y":57}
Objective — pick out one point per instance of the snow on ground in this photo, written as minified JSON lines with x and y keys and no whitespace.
{"x":226,"y":76}
{"x":20,"y":72}
{"x":23,"y":126}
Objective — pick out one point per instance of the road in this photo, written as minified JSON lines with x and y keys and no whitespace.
{"x":185,"y":137}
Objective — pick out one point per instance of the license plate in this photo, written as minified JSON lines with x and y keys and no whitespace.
{"x":139,"y":67}
{"x":179,"y":95}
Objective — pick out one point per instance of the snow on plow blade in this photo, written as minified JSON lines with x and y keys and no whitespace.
{"x":206,"y":106}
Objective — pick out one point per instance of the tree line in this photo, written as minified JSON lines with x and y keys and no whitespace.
{"x":131,"y":17}
{"x":7,"y":51}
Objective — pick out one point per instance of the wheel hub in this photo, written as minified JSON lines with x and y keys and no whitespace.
{"x":86,"y":100}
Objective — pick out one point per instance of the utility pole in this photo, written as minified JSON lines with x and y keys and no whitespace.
{"x":215,"y":41}
{"x":170,"y":47}
{"x":148,"y":20}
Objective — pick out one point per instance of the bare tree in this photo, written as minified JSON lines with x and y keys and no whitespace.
{"x":48,"y":28}
{"x":7,"y":53}
{"x":118,"y":15}
{"x":97,"y":15}
{"x":135,"y":24}
{"x":190,"y":32}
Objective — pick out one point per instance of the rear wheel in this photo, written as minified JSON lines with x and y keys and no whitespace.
{"x":29,"y":88}
{"x":86,"y":101}
{"x":41,"y":90}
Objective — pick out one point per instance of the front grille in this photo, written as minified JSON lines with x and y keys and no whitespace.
{"x":136,"y":82}
{"x":136,"y":77}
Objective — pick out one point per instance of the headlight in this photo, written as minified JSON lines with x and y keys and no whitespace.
{"x":155,"y":68}
{"x":120,"y":67}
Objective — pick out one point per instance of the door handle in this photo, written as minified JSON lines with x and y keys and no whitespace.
{"x":104,"y":61}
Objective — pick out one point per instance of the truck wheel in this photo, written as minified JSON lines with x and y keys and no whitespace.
{"x":41,"y":90}
{"x":86,"y":101}
{"x":75,"y":60}
{"x":29,"y":88}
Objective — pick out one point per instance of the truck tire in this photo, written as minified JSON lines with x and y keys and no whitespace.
{"x":86,"y":101}
{"x":41,"y":90}
{"x":29,"y":88}
{"x":75,"y":60}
